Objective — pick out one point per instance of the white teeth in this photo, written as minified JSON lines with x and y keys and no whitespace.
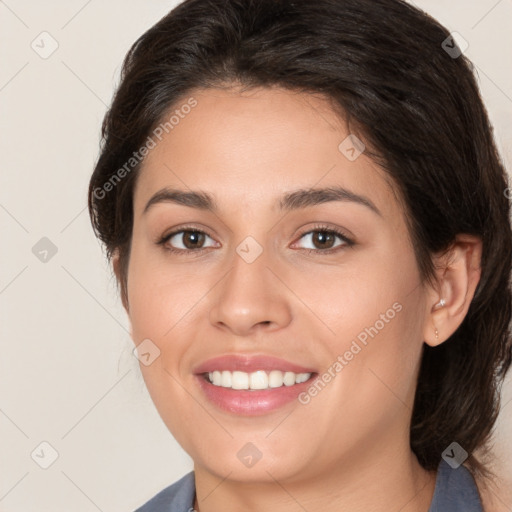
{"x":256,"y":380}
{"x":302,"y":377}
{"x":240,"y":380}
{"x":226,"y":380}
{"x":275,"y":379}
{"x":289,"y":379}
{"x":216,"y":378}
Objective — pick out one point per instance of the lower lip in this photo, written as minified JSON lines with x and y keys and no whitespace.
{"x":251,"y":402}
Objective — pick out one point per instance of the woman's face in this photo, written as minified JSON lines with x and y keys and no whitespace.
{"x":275,"y":296}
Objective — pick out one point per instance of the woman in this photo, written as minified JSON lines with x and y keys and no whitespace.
{"x":308,"y":219}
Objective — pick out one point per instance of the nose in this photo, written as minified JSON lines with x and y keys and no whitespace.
{"x":251,"y":297}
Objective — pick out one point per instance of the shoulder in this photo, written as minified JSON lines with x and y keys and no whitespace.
{"x":455,"y":490}
{"x":179,"y":496}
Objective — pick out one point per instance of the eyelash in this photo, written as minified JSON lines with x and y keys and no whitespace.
{"x":196,"y":252}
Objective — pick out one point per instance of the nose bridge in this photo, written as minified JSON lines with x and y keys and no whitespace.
{"x":250,"y":294}
{"x":249,"y":266}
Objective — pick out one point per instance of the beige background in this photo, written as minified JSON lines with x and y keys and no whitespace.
{"x":68,"y":376}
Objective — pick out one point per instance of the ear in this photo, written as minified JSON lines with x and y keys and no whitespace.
{"x":458,"y":272}
{"x":116,"y":265}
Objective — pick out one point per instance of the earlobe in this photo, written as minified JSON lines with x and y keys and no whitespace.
{"x":436,"y":340}
{"x":458,"y":275}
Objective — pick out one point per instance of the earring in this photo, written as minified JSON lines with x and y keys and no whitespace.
{"x":441,"y":303}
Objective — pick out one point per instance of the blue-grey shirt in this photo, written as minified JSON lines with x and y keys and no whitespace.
{"x":455,"y":491}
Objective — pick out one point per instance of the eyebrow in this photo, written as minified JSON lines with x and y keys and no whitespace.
{"x":297,"y":199}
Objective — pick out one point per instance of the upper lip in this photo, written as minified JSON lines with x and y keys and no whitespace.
{"x":249,"y":363}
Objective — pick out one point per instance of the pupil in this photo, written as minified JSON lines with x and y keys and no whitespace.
{"x":194,"y":235}
{"x":321,"y":236}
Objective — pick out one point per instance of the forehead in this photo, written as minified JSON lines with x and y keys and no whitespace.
{"x":251,"y":146}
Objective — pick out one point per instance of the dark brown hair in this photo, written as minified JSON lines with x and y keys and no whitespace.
{"x":386,"y":66}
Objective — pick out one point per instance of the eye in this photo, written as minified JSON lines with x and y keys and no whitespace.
{"x":323,"y":239}
{"x":185,"y":240}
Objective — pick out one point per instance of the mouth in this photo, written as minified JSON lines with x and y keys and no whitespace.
{"x":252,"y":385}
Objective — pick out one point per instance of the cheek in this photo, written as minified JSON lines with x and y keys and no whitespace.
{"x":371,"y":299}
{"x":374,"y":384}
{"x":161,"y":296}
{"x":161,"y":310}
{"x":376,"y":316}
{"x":378,"y":383}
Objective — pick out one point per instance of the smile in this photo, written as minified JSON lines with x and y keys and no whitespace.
{"x":252,"y":384}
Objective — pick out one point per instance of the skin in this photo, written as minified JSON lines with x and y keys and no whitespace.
{"x":348,"y":448}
